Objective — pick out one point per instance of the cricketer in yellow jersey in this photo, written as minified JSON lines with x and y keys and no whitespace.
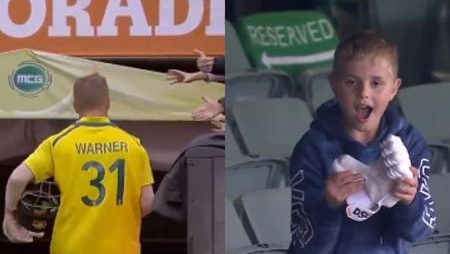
{"x":104,"y":176}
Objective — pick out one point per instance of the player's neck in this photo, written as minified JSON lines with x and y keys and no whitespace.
{"x":93,"y":113}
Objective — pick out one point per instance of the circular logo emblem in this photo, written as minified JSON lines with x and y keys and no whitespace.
{"x":29,"y":79}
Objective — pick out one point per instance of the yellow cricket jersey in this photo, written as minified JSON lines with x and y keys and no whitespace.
{"x":100,"y":171}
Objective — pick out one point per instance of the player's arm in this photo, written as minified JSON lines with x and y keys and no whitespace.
{"x":16,"y":185}
{"x":147,"y":196}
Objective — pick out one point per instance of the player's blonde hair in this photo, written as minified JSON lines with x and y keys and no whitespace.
{"x":363,"y":44}
{"x":91,"y":93}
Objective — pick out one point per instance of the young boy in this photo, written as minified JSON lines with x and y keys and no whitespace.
{"x":364,"y":81}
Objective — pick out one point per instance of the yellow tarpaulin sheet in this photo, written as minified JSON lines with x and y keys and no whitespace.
{"x":36,"y":84}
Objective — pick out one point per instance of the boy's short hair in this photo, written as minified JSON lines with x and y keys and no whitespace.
{"x":365,"y":43}
{"x":91,"y":92}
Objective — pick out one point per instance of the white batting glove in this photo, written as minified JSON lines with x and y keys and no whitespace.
{"x":396,"y":158}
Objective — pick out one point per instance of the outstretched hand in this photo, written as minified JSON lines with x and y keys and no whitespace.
{"x":208,"y":111}
{"x":177,"y":76}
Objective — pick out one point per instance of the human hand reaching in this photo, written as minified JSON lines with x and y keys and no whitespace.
{"x":204,"y":63}
{"x":177,"y":76}
{"x":208,"y":111}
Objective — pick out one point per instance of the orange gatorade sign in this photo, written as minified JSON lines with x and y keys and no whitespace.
{"x":134,"y":28}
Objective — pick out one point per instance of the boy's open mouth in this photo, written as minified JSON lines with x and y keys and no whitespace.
{"x":363,"y":112}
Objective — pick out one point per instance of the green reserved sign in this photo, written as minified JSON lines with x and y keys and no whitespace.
{"x":292,"y":41}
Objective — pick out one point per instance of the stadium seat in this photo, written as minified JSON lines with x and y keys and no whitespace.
{"x":440,"y":159}
{"x":235,"y":235}
{"x":439,"y":189}
{"x":318,"y":88}
{"x":245,"y":174}
{"x":236,"y":60}
{"x":409,"y":24}
{"x":236,"y":239}
{"x":254,"y":175}
{"x":426,"y":107}
{"x":233,"y":148}
{"x":271,"y":127}
{"x":260,"y":84}
{"x":433,"y":247}
{"x":268,"y":214}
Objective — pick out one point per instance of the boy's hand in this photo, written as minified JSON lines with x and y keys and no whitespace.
{"x":341,"y":185}
{"x":405,"y":189}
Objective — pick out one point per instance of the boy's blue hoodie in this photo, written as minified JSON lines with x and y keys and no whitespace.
{"x":319,"y":229}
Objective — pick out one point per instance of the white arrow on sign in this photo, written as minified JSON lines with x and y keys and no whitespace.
{"x":268,"y":61}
